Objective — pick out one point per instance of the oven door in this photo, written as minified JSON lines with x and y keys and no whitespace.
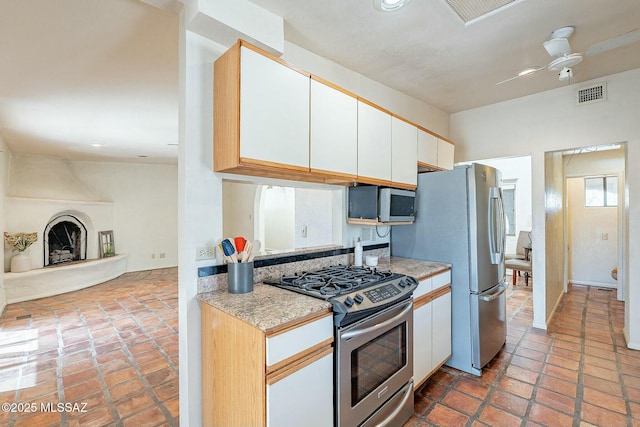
{"x":374,"y":364}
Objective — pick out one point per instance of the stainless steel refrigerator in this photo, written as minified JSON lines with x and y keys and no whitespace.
{"x":460,"y":220}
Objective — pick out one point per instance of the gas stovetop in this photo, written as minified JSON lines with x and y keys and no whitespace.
{"x":355,"y":292}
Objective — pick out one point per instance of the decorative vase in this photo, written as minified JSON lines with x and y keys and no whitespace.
{"x":21,"y":263}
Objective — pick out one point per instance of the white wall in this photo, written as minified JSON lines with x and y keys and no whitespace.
{"x":5,"y":157}
{"x":199,"y":206}
{"x":591,"y":257}
{"x":314,"y":213}
{"x":145,"y":209}
{"x":137,"y":201}
{"x":550,"y":121}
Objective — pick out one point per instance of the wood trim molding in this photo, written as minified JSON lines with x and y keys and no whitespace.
{"x":431,"y":296}
{"x":233,"y":355}
{"x":288,"y":366}
{"x":286,"y":327}
{"x":263,"y":164}
{"x":273,"y":57}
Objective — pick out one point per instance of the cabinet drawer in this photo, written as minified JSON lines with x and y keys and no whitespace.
{"x":424,"y":287}
{"x":442,"y":279}
{"x":294,"y":341}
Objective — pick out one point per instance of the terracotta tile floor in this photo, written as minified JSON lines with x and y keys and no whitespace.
{"x":114,"y":347}
{"x":108,"y":354}
{"x":577,"y":373}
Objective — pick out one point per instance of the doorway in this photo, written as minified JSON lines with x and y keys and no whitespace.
{"x":594,"y":217}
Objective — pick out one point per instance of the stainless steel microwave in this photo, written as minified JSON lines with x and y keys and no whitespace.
{"x":381,"y":203}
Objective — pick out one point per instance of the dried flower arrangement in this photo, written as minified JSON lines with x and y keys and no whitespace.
{"x":20,"y":241}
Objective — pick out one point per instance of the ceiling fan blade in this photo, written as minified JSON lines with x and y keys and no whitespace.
{"x":524,"y":73}
{"x":614,"y":43}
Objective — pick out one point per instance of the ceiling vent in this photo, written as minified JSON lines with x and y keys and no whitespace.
{"x":474,"y":10}
{"x":594,"y":93}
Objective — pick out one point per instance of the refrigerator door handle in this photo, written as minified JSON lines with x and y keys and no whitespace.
{"x":490,"y":297}
{"x":495,"y":226}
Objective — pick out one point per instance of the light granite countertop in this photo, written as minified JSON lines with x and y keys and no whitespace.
{"x":266,"y":307}
{"x":269,"y":307}
{"x":416,"y":268}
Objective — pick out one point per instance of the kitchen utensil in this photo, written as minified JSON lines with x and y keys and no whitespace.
{"x":247,"y":251}
{"x":240,"y":243}
{"x":229,"y":250}
{"x":256,"y":245}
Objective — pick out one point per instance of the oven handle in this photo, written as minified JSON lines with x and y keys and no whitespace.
{"x":357,"y":332}
{"x":400,"y":407}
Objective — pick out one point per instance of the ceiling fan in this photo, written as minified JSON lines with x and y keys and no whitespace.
{"x":558,"y":47}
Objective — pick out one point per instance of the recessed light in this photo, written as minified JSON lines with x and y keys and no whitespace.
{"x":389,"y":5}
{"x":96,"y":145}
{"x":142,"y":157}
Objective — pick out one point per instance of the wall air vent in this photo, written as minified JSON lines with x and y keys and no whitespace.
{"x":594,"y":93}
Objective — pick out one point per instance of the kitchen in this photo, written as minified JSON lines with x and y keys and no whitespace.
{"x":200,"y":196}
{"x":538,"y":165}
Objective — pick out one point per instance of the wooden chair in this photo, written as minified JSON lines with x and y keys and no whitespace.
{"x":523,"y":240}
{"x":519,"y":265}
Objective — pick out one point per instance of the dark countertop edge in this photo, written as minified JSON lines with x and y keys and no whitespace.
{"x":304,"y":256}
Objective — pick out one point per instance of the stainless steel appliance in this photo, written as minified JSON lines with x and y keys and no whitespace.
{"x":381,"y":203}
{"x":460,"y":220}
{"x":373,"y":362}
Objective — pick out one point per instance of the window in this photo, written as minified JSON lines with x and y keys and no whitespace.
{"x":509,"y":201}
{"x":601,"y":191}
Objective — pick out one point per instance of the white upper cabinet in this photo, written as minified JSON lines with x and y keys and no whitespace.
{"x":334,"y":130}
{"x":374,"y":144}
{"x":445,"y":154}
{"x":427,"y":149}
{"x":274,"y":111}
{"x":404,"y":164}
{"x":434,"y":153}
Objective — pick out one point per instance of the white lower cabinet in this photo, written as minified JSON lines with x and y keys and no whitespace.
{"x":422,"y":362}
{"x":304,"y":398}
{"x":441,"y":332}
{"x":431,"y":326}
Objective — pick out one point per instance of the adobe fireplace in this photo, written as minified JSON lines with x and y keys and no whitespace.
{"x":65,"y":240}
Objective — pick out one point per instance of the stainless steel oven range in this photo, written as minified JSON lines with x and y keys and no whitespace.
{"x":373,"y":361}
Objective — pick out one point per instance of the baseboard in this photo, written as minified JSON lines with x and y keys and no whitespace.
{"x":592,"y":283}
{"x":631,"y":345}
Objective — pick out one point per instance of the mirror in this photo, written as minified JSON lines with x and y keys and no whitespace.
{"x":282,"y":218}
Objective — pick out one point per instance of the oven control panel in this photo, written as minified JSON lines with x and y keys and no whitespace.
{"x":381,"y":293}
{"x":377,"y":295}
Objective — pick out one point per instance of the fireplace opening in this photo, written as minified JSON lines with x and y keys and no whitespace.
{"x":65,"y":241}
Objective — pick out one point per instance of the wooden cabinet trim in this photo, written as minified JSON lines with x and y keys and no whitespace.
{"x":263,"y":164}
{"x":286,"y":327}
{"x":293,"y":364}
{"x":273,"y":57}
{"x":430,"y":296}
{"x":226,"y":110}
{"x":233,"y":355}
{"x":333,"y":86}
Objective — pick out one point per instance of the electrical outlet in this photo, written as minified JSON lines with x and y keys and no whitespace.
{"x":153,"y":256}
{"x":162,"y":255}
{"x":206,"y":252}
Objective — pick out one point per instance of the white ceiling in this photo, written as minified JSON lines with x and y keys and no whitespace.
{"x":81,"y":72}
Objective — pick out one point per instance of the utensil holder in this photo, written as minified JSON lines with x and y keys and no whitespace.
{"x":240,"y":280}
